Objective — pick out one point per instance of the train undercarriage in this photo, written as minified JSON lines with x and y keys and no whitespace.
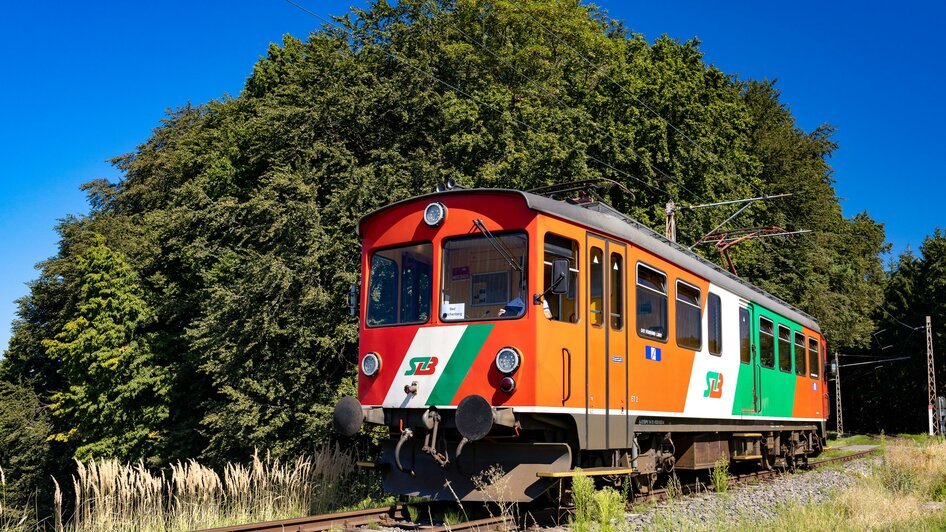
{"x":481,"y":453}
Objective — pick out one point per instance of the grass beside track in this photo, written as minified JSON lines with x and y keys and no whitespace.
{"x":857,"y":439}
{"x":836,"y":445}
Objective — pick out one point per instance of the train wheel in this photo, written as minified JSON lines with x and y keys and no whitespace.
{"x":645,"y":483}
{"x":768,"y":460}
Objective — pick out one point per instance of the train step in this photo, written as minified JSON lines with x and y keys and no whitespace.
{"x":588,"y":472}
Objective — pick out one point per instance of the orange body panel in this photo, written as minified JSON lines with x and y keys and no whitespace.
{"x":662,"y":386}
{"x":810,"y":392}
{"x":651,"y":386}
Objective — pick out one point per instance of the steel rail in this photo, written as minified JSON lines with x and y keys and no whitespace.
{"x":662,"y":494}
{"x":394,"y":516}
{"x":335,"y":521}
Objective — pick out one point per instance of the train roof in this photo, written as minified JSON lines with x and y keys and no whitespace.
{"x":602,"y":217}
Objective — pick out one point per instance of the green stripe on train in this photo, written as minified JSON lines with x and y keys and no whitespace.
{"x":459,"y":365}
{"x":776,"y":388}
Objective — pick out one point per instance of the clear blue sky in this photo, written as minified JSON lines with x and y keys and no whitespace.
{"x":84,"y":82}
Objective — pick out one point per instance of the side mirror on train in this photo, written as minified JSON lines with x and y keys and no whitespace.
{"x":560,"y":276}
{"x":353,"y":299}
{"x":833,"y":368}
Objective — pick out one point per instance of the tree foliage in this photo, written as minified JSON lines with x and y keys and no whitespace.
{"x":114,"y":404}
{"x":24,"y":450}
{"x":231,"y":236}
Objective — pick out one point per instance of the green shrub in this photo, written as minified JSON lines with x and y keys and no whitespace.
{"x":609,"y":509}
{"x":720,"y":475}
{"x":583,"y":495}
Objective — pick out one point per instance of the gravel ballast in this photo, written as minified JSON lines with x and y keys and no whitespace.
{"x":752,"y":503}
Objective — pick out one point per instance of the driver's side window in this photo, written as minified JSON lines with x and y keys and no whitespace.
{"x":563,"y":307}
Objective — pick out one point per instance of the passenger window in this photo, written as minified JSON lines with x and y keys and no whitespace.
{"x":597,"y":287}
{"x":745,"y":344}
{"x":800,"y":354}
{"x":617,"y":292}
{"x":814,"y":365}
{"x":689,"y":324}
{"x":714,"y":310}
{"x":784,"y":349}
{"x":651,"y":303}
{"x":564,"y":307}
{"x":766,"y":343}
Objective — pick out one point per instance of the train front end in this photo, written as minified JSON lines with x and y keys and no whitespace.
{"x":447,"y":361}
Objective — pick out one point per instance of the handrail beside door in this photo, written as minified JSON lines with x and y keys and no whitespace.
{"x":566,"y":354}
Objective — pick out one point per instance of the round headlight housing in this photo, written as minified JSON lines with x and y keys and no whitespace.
{"x":371,"y":364}
{"x":508,"y":360}
{"x":435,"y":213}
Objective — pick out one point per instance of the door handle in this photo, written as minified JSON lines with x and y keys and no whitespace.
{"x":566,"y":354}
{"x":758,"y":370}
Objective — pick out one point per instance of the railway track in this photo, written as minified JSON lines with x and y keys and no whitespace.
{"x":399,"y":516}
{"x":699,"y":486}
{"x":842,"y":458}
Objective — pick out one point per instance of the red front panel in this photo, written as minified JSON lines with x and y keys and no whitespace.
{"x":454,"y":358}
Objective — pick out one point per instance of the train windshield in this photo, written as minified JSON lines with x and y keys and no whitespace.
{"x":484,"y":277}
{"x":400,"y":285}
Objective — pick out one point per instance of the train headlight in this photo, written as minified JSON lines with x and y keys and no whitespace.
{"x":507,"y":360}
{"x":435,"y":213}
{"x":370,"y":364}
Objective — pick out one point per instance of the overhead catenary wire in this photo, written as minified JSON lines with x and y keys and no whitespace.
{"x":881,"y":357}
{"x":894,"y":318}
{"x":460,"y":91}
{"x":873,"y":362}
{"x":730,"y":202}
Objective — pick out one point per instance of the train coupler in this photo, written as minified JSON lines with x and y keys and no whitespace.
{"x":432,"y":422}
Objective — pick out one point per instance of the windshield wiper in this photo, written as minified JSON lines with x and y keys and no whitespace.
{"x":497,"y":245}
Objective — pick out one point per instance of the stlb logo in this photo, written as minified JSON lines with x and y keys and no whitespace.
{"x":422,"y":366}
{"x":714,"y":385}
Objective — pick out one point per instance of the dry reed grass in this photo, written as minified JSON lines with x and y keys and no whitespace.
{"x":920,"y":469}
{"x":114,"y":496}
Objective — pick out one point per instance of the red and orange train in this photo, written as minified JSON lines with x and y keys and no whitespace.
{"x":511,"y":330}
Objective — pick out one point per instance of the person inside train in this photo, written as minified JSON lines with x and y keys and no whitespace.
{"x":513,"y":309}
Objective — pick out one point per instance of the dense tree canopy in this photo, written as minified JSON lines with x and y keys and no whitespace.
{"x":231,"y":241}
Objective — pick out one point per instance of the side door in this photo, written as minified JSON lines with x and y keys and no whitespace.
{"x":748,"y":387}
{"x":606,"y":353}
